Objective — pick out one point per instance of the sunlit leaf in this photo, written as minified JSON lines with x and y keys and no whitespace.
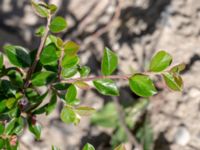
{"x":43,"y":78}
{"x":106,"y":87}
{"x":109,"y":62}
{"x":49,"y":55}
{"x":18,"y":55}
{"x":120,"y":147}
{"x":173,"y":81}
{"x":58,"y":24}
{"x":40,"y":9}
{"x":35,"y":129}
{"x":142,"y":85}
{"x":88,"y":146}
{"x":71,"y":48}
{"x":84,"y":71}
{"x":82,"y":85}
{"x":160,"y":61}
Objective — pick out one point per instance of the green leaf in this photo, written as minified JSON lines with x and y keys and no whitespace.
{"x":18,"y":55}
{"x":52,"y":104}
{"x":40,"y":31}
{"x":54,"y":148}
{"x":88,"y":146}
{"x":40,"y":9}
{"x":71,"y":48}
{"x":52,"y":8}
{"x":58,"y":24}
{"x":1,"y":61}
{"x":173,"y":81}
{"x":10,"y":126}
{"x":70,"y":96}
{"x":69,"y":72}
{"x":109,"y":62}
{"x":11,"y":102}
{"x":82,"y":85}
{"x":84,"y":71}
{"x":120,"y":147}
{"x":106,"y":117}
{"x":69,"y":116}
{"x":43,"y":78}
{"x":142,"y":85}
{"x":178,"y":68}
{"x":49,"y":55}
{"x":2,"y":144}
{"x":84,"y":110}
{"x":16,"y":78}
{"x":35,"y":129}
{"x":145,"y":135}
{"x":61,"y":86}
{"x":106,"y":87}
{"x":70,"y":61}
{"x":1,"y":128}
{"x":160,"y":61}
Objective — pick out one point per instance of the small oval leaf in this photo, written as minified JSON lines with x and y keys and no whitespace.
{"x":58,"y":24}
{"x":142,"y":85}
{"x":70,"y":96}
{"x":71,"y":48}
{"x":43,"y":78}
{"x":160,"y":61}
{"x":109,"y":62}
{"x":88,"y":146}
{"x":18,"y":55}
{"x":173,"y":81}
{"x":106,"y":87}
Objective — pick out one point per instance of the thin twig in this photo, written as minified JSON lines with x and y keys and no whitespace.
{"x":72,"y":80}
{"x":42,"y":42}
{"x":59,"y":64}
{"x":122,"y":122}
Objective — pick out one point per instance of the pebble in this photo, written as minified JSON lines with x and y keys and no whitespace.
{"x":182,"y":136}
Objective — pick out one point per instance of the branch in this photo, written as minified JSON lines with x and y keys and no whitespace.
{"x":122,"y":122}
{"x":72,"y":80}
{"x":42,"y":42}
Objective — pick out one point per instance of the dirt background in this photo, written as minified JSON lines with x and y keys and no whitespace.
{"x":135,"y":30}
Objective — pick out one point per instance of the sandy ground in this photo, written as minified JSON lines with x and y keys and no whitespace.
{"x":144,"y":27}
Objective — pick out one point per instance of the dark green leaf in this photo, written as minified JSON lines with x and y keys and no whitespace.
{"x":70,"y":61}
{"x":160,"y":61}
{"x":88,"y":146}
{"x":69,"y":116}
{"x":49,"y":55}
{"x":35,"y":129}
{"x":84,"y":71}
{"x":2,"y":144}
{"x":1,"y":128}
{"x":61,"y":86}
{"x":142,"y":85}
{"x":71,"y":48}
{"x":1,"y":61}
{"x":16,"y":78}
{"x":58,"y":24}
{"x":40,"y":9}
{"x":173,"y":81}
{"x":70,"y":96}
{"x":52,"y":104}
{"x":18,"y":55}
{"x":106,"y":87}
{"x":109,"y":62}
{"x":43,"y":78}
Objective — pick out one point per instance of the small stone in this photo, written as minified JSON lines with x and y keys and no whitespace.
{"x":194,"y":93}
{"x":182,"y":136}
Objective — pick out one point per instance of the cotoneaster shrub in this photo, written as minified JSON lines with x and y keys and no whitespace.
{"x":52,"y":66}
